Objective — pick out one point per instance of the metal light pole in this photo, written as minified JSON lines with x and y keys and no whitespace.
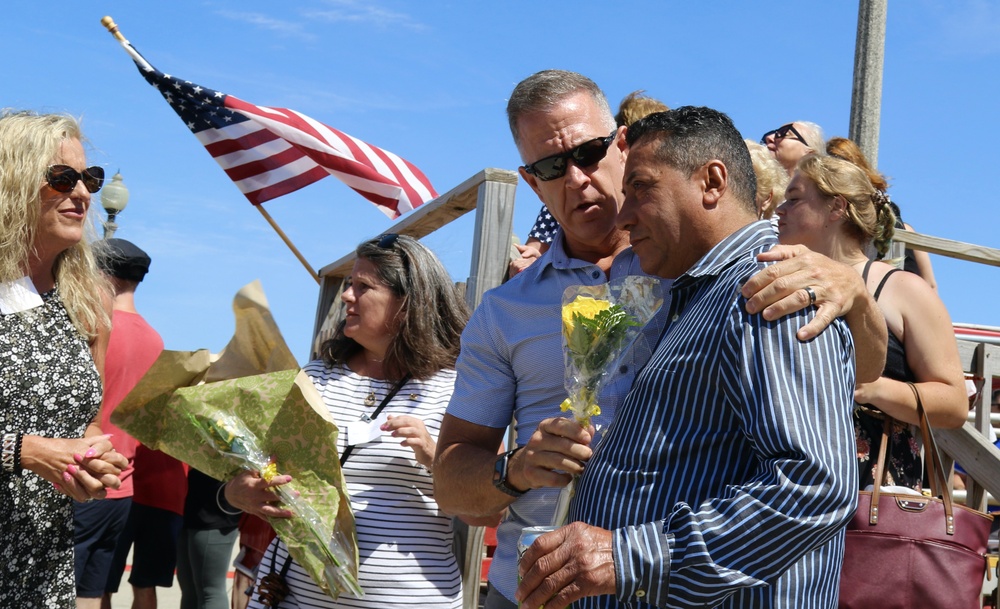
{"x":114,"y":198}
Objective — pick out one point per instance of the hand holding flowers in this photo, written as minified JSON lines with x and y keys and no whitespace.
{"x":599,"y":324}
{"x":234,"y":441}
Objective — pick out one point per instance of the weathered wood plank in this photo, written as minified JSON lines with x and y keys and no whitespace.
{"x":491,"y":239}
{"x":947,"y":247}
{"x":432,"y":215}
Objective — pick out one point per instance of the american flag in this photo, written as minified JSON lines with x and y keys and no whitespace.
{"x":269,"y":152}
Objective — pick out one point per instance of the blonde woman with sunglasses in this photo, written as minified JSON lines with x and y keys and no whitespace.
{"x":54,"y":326}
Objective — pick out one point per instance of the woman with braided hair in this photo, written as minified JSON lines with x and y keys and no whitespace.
{"x":832,"y":208}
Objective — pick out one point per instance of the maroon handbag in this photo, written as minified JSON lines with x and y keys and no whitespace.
{"x":905,"y":551}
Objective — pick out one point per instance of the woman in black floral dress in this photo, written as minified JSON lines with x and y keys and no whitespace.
{"x":53,"y":333}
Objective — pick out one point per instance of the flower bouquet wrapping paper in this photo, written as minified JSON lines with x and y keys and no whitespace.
{"x":599,"y":324}
{"x":253,"y":408}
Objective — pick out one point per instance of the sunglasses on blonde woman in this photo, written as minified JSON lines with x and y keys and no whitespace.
{"x":781,"y":133}
{"x":63,"y":178}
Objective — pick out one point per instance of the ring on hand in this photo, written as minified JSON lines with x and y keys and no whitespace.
{"x":812,"y":295}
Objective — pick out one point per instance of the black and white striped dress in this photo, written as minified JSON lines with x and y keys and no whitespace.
{"x":404,"y":540}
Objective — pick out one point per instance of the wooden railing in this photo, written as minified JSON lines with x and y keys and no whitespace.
{"x":971,"y":445}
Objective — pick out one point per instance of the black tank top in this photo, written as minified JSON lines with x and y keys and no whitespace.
{"x":895,"y":356}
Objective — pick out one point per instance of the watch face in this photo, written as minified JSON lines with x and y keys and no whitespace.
{"x":500,"y":476}
{"x":500,"y":469}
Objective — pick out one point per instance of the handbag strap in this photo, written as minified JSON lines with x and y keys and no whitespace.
{"x":880,"y":472}
{"x":935,"y":468}
{"x":392,"y":393}
{"x":932,"y":460}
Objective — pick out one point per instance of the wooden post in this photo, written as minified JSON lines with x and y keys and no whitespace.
{"x":284,"y":238}
{"x":866,"y":93}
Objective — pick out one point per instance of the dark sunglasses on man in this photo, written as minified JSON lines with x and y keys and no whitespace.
{"x":781,"y":133}
{"x":63,"y":178}
{"x":584,"y":155}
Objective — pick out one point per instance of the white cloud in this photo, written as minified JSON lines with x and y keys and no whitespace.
{"x":279,"y":26}
{"x":352,"y":11}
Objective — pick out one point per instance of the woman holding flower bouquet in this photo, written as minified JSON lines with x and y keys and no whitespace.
{"x":386,"y":376}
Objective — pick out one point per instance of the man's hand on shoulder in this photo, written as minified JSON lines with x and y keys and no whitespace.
{"x":836,"y":289}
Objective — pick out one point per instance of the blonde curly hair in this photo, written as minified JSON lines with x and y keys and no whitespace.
{"x":28,"y":143}
{"x":772,"y":179}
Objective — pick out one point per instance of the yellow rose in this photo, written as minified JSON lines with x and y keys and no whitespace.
{"x":585,"y":306}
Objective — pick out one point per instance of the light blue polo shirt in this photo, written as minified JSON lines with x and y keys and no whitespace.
{"x":511,"y":368}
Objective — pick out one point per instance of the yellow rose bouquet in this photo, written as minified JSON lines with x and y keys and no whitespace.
{"x":599,"y":324}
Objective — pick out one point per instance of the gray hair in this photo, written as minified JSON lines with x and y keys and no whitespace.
{"x":543,"y":90}
{"x":813,"y":135}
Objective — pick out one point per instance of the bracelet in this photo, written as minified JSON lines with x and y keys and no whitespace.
{"x":218,"y":501}
{"x":17,"y":456}
{"x":11,"y":454}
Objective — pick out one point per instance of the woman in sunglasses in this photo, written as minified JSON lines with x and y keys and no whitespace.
{"x":386,"y":375}
{"x":54,"y":323}
{"x":832,"y":208}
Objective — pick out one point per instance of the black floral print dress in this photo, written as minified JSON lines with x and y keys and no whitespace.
{"x":904,"y":466}
{"x":49,"y":387}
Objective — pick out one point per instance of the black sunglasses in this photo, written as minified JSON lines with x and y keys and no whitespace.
{"x":387,"y":240}
{"x":63,"y":178}
{"x":781,"y":133}
{"x":584,"y":155}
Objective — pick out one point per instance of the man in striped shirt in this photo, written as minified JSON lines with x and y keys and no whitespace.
{"x":729,"y":473}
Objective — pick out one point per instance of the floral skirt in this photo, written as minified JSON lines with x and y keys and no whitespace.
{"x":904,"y":466}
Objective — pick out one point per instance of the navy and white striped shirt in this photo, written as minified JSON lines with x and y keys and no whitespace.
{"x":728,"y":473}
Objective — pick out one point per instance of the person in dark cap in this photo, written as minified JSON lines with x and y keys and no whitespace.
{"x":103,"y":527}
{"x":124,"y":261}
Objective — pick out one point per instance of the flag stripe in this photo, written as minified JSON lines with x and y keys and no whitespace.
{"x":290,"y":185}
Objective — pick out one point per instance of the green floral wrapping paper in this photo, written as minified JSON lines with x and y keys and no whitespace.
{"x":282,"y":409}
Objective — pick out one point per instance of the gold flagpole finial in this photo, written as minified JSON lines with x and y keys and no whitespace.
{"x":109,"y":23}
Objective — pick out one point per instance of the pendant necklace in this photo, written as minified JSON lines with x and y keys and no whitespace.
{"x":371,"y":398}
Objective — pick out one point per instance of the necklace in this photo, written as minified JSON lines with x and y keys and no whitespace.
{"x":370,"y":399}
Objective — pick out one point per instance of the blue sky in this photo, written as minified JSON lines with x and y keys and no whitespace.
{"x":429,"y":81}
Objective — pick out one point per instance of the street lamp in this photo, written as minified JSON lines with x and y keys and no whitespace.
{"x":114,"y":198}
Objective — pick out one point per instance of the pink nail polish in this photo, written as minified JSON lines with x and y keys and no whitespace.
{"x":90,"y":453}
{"x":78,"y":457}
{"x":58,"y":488}
{"x":72,"y":468}
{"x":67,"y":477}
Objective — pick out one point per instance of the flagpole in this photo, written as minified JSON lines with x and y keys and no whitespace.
{"x":112,"y":28}
{"x":284,"y":238}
